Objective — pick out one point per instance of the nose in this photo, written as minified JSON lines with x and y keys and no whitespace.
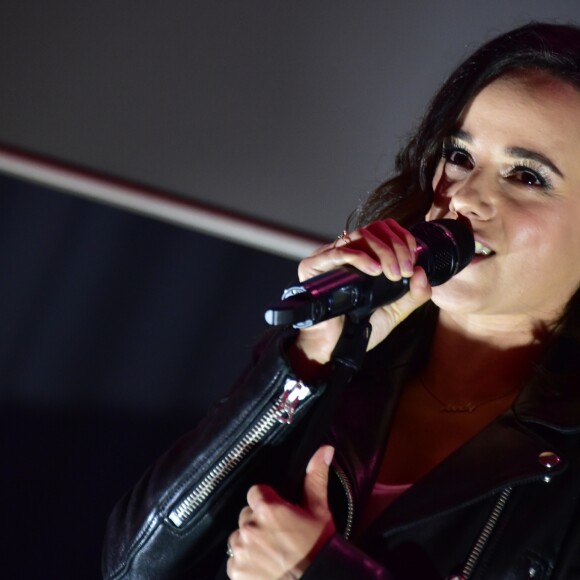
{"x":473,"y":198}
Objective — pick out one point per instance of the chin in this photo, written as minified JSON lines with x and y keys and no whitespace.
{"x":459,"y":296}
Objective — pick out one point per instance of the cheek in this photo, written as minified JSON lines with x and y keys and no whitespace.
{"x":526,"y":241}
{"x":547,"y":252}
{"x":435,"y":182}
{"x":439,"y":202}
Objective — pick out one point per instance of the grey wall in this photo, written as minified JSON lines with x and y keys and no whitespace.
{"x":289,"y":111}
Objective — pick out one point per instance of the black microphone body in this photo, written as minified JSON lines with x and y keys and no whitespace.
{"x":444,"y":247}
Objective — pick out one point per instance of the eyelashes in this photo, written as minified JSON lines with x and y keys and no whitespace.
{"x":524,"y":172}
{"x":529,"y":174}
{"x":457,"y":155}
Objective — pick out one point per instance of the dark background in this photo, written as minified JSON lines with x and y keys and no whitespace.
{"x":116,"y":333}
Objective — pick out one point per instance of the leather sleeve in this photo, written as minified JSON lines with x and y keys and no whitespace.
{"x":140,"y":541}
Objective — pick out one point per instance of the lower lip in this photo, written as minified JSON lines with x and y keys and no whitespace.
{"x":477,"y":258}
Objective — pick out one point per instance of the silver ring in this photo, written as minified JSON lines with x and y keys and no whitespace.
{"x":229,"y":551}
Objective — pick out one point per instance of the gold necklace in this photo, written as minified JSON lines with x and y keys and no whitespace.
{"x":467,"y":407}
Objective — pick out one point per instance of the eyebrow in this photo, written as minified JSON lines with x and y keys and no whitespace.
{"x":520,"y":152}
{"x":524,"y":153}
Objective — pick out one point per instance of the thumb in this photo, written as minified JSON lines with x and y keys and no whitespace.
{"x":316,"y":480}
{"x":386,"y":318}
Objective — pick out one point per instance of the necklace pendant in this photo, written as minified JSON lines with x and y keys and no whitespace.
{"x":466,"y":408}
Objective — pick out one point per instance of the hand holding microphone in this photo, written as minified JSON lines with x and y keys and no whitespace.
{"x":444,"y":247}
{"x":385,"y":270}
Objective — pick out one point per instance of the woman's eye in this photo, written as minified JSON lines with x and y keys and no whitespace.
{"x":528,"y":177}
{"x":458,"y":157}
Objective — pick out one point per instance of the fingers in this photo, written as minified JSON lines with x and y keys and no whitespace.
{"x":386,"y":318}
{"x":246,"y":517}
{"x":333,"y":257}
{"x":259,"y":495}
{"x":381,"y":247}
{"x":277,"y":539}
{"x":264,"y":505}
{"x":394,"y":246}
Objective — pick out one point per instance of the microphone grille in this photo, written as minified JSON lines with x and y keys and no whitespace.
{"x":448,"y":245}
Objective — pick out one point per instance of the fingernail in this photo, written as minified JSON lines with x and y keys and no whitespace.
{"x":328,"y":455}
{"x":407,"y":268}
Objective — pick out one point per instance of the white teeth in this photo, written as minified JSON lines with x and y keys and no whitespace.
{"x":481,"y":249}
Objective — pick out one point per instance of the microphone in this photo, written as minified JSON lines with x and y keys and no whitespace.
{"x":444,"y":248}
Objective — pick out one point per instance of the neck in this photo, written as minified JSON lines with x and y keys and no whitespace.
{"x":477,"y":358}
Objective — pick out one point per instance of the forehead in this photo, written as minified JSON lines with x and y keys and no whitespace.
{"x":533,"y":104}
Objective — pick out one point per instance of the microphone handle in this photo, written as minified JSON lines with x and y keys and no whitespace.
{"x":344,"y":290}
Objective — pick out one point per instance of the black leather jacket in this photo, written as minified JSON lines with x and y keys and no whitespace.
{"x":506,"y":505}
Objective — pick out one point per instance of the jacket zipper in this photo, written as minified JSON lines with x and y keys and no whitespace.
{"x":485,"y":534}
{"x":281,"y":412}
{"x":347,"y":487}
{"x":479,"y":545}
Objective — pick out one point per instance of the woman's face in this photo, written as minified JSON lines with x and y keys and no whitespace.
{"x":512,"y":168}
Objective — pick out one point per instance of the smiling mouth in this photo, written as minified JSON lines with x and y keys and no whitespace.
{"x":481,"y":250}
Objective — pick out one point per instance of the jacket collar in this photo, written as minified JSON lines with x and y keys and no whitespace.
{"x":552,"y":396}
{"x":505,"y":453}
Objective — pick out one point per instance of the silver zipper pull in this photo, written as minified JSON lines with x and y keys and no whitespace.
{"x":294,"y":392}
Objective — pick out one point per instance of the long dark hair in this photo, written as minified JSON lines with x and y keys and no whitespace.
{"x":407,"y":196}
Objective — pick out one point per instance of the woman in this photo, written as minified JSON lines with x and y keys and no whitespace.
{"x":460,"y":437}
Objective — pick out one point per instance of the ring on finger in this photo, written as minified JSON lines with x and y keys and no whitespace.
{"x":344,"y":237}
